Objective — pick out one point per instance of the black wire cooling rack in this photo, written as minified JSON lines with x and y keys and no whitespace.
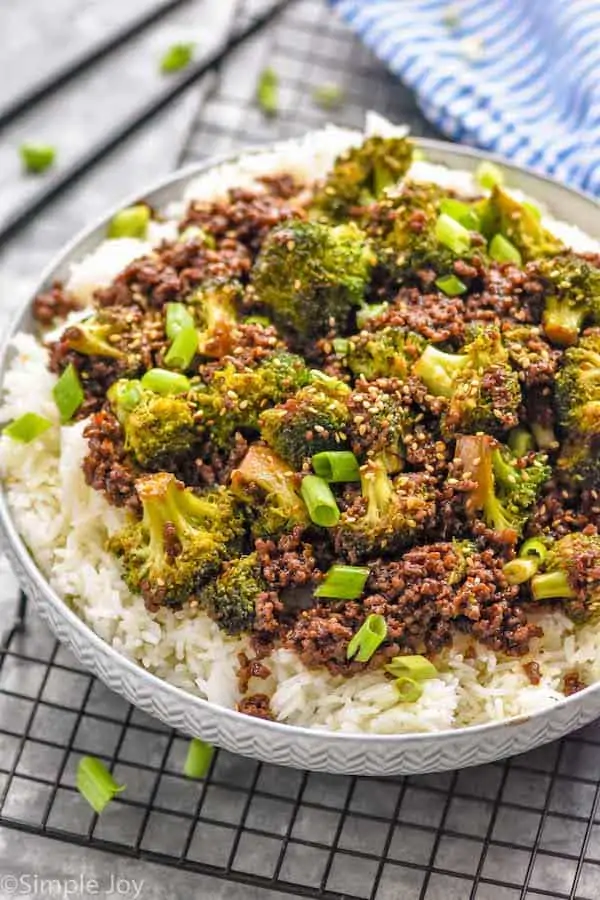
{"x":524,"y":828}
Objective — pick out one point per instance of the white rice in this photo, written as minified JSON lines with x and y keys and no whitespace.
{"x":66,"y":524}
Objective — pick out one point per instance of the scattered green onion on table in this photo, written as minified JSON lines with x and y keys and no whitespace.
{"x":198,"y":759}
{"x":95,"y":783}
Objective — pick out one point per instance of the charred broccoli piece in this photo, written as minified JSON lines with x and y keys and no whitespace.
{"x":313,"y":419}
{"x":389,"y":514}
{"x":112,"y":334}
{"x":379,"y":422}
{"x":180,"y":541}
{"x":361,"y":175}
{"x":309,"y":274}
{"x":501,"y":213}
{"x":578,"y":380}
{"x":237,"y":394}
{"x":572,"y":574}
{"x":504,"y":488}
{"x":571,"y":295}
{"x":579,"y":457}
{"x":231,"y":598}
{"x":483,"y":391}
{"x":388,"y":353}
{"x":214,"y":306}
{"x":156,"y":428}
{"x":267,"y":485}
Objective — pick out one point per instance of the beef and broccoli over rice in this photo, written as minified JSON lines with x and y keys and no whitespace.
{"x":320,"y":442}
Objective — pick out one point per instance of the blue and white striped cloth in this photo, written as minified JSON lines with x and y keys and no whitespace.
{"x":517,"y":77}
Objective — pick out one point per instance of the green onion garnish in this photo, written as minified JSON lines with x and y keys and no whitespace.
{"x":534,"y":548}
{"x":336,"y":465}
{"x":503,"y":251}
{"x":183,"y":349}
{"x":328,"y":96}
{"x":367,"y":639}
{"x":36,"y":158}
{"x":124,"y":395}
{"x":320,"y":502}
{"x":177,"y":318}
{"x":177,"y":57}
{"x":518,"y":571}
{"x":488,"y":175}
{"x":341,"y":346}
{"x":462,"y":212}
{"x":521,"y":441}
{"x":533,"y":209}
{"x":197,"y":761}
{"x":409,"y":689}
{"x":267,"y":92}
{"x":369,"y":312}
{"x":451,"y":286}
{"x":27,"y":427}
{"x":161,"y":381}
{"x":343,"y":582}
{"x":417,"y":666}
{"x":131,"y":222}
{"x":68,"y":393}
{"x":95,"y":783}
{"x":452,"y":234}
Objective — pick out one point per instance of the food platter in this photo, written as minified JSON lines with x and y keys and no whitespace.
{"x":289,"y":744}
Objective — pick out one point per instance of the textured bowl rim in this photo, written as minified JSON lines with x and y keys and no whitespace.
{"x":443,"y":151}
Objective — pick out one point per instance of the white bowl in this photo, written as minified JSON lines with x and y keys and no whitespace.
{"x":362,"y":754}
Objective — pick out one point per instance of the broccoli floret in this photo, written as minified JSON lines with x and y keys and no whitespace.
{"x":267,"y":485}
{"x":379,"y":422}
{"x":501,"y":214}
{"x":309,"y":274}
{"x":236,"y":394}
{"x":504,"y":488}
{"x":579,"y":458}
{"x":578,"y":380}
{"x":571,"y":295}
{"x":311,"y":420}
{"x":214,"y":306}
{"x":388,"y":353}
{"x":111,"y":333}
{"x":156,"y":428}
{"x":231,"y":598}
{"x":572,"y":573}
{"x":389,"y":514}
{"x":180,"y":541}
{"x":483,"y":391}
{"x":361,"y":175}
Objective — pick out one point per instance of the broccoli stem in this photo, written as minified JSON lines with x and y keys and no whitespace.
{"x":544,"y":436}
{"x":376,"y":489}
{"x":438,"y":370}
{"x":518,"y":571}
{"x":563,"y":321}
{"x":551,"y":586}
{"x":521,"y":441}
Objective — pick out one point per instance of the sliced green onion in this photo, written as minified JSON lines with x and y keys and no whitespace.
{"x":131,"y":222}
{"x":533,"y":209}
{"x":95,"y":783}
{"x":341,"y":346}
{"x":417,"y":667}
{"x":518,"y":571}
{"x":27,"y":428}
{"x":124,"y":396}
{"x":320,"y":502}
{"x":198,"y":759}
{"x":488,"y":175}
{"x":462,"y":212}
{"x":267,"y":92}
{"x":452,"y":234}
{"x":410,"y":690}
{"x":68,"y":393}
{"x":367,"y":639}
{"x":521,"y":441}
{"x":534,"y":547}
{"x":36,"y":158}
{"x":177,"y":318}
{"x":183,"y":349}
{"x":161,"y":381}
{"x":177,"y":57}
{"x":343,"y":582}
{"x":369,"y":312}
{"x":502,"y":250}
{"x":451,"y":286}
{"x":328,"y":96}
{"x":336,"y":465}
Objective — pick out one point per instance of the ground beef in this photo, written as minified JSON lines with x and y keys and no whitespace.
{"x":572,"y":683}
{"x":250,"y":668}
{"x":107,"y":467}
{"x":256,"y":705}
{"x":563,"y":508}
{"x":532,"y":670}
{"x":54,"y":303}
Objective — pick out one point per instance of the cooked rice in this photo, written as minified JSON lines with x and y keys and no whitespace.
{"x":65,"y":525}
